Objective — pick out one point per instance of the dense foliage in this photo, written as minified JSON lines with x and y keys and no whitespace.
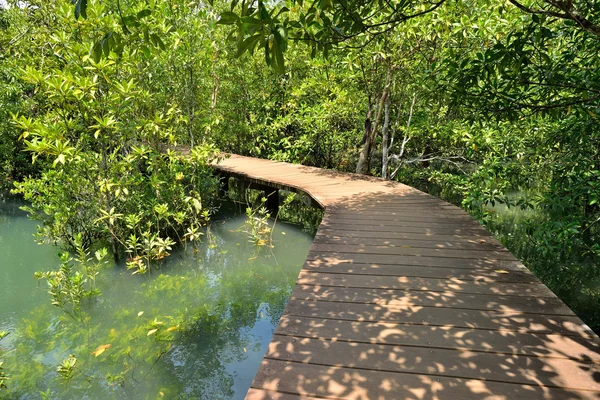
{"x":491,"y":105}
{"x":102,"y":131}
{"x":494,"y":106}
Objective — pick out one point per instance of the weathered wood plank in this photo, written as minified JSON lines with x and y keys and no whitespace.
{"x":261,"y":394}
{"x":427,"y":218}
{"x":407,"y":241}
{"x":323,"y":230}
{"x":445,"y":362}
{"x":411,"y":298}
{"x":410,"y":251}
{"x":438,"y":316}
{"x":478,"y":274}
{"x":429,"y":284}
{"x":405,"y":226}
{"x":419,"y":261}
{"x":551,"y":345}
{"x":352,"y":384}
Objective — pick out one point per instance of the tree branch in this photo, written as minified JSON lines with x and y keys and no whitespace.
{"x":568,"y":13}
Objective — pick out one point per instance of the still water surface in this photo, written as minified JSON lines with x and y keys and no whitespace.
{"x":215,"y":310}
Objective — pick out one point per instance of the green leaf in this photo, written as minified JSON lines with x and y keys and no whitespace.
{"x":264,"y":13}
{"x":144,"y":13}
{"x":97,"y":51}
{"x":157,"y":41}
{"x":267,"y":55}
{"x":60,"y":159}
{"x":106,"y":45}
{"x":250,"y":20}
{"x":228,"y":18}
{"x":81,"y":8}
{"x":279,"y":47}
{"x":248,"y":43}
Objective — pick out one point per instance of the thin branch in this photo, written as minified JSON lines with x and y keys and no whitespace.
{"x":545,"y":107}
{"x":367,"y":28}
{"x":568,"y":13}
{"x":541,"y":12}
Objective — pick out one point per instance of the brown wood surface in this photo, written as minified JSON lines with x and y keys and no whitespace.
{"x":479,"y":274}
{"x":389,"y":297}
{"x":404,"y":296}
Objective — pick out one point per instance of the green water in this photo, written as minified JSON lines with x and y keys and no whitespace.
{"x":214,"y":310}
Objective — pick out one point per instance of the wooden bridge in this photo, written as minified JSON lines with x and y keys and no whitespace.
{"x":404,"y":296}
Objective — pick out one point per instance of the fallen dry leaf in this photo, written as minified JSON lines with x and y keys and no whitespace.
{"x":101,"y":349}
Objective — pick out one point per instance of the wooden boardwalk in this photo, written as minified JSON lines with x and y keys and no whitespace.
{"x":404,"y":296}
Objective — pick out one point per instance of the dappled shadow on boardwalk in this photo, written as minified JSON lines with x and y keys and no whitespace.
{"x":389,"y":316}
{"x":404,"y":296}
{"x":344,"y":343}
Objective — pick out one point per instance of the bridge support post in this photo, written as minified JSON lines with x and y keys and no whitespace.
{"x":272,"y":204}
{"x":224,"y":186}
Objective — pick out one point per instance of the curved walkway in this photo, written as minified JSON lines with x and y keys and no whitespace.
{"x":404,"y":296}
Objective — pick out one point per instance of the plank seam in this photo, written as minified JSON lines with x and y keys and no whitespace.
{"x":333,"y":339}
{"x":412,"y":255}
{"x":524,"y":331}
{"x":539,"y":385}
{"x":421,"y":290}
{"x":425,"y":306}
{"x":313,"y":270}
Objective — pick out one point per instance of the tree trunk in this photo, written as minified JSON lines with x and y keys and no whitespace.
{"x":405,"y":140}
{"x":384,"y":139}
{"x":364,"y":161}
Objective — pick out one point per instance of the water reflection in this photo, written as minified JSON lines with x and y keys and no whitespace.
{"x":197,"y":329}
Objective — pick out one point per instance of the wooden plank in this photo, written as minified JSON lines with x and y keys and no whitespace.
{"x":441,"y":362}
{"x":364,"y":205}
{"x":357,"y":258}
{"x":450,"y":239}
{"x":416,"y":241}
{"x":424,"y":210}
{"x":381,"y":196}
{"x":261,"y":394}
{"x":388,"y":297}
{"x":478,"y":274}
{"x":408,"y":222}
{"x":411,"y":251}
{"x":438,"y":316}
{"x":353,"y":384}
{"x":424,"y":217}
{"x":436,"y":211}
{"x":409,"y":228}
{"x":428,"y":284}
{"x":502,"y":342}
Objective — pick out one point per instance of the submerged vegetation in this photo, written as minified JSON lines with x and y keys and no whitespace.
{"x":185,"y":328}
{"x":491,"y":105}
